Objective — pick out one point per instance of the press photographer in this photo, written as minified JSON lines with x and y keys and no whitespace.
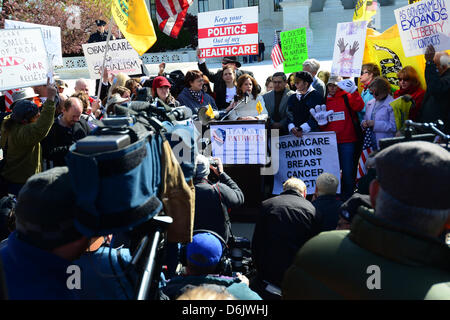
{"x":214,"y":200}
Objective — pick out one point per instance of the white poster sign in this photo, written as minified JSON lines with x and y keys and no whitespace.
{"x":349,"y":49}
{"x":23,"y":58}
{"x":239,"y":143}
{"x":51,"y":35}
{"x":306,"y":158}
{"x":423,"y":23}
{"x":120,"y":58}
{"x":232,"y":32}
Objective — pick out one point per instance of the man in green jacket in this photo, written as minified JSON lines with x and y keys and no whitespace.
{"x":393,"y":252}
{"x":21,"y":133}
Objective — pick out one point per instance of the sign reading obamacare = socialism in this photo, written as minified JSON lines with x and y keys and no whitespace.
{"x":23,"y":58}
{"x":232,"y":32}
{"x":306,"y":158}
{"x":423,"y":23}
{"x":121,"y":57}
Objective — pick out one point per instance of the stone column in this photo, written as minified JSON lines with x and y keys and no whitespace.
{"x":296,"y":15}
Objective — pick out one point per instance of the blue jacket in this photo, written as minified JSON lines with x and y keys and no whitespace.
{"x":185,"y":98}
{"x":34,"y":274}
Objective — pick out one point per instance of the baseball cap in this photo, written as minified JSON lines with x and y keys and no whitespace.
{"x":205,"y":250}
{"x":159,"y":82}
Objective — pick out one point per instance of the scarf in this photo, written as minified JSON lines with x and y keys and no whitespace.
{"x":197,"y":95}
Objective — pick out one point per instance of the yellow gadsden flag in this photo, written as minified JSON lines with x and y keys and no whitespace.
{"x":133,"y":20}
{"x":364,"y":10}
{"x":385,"y":49}
{"x":210,"y":112}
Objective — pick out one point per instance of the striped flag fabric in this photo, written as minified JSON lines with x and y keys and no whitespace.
{"x":366,"y":151}
{"x":170,"y":15}
{"x":276,"y":55}
{"x":8,"y":98}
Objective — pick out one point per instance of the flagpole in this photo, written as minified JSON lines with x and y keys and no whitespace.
{"x":104,"y":57}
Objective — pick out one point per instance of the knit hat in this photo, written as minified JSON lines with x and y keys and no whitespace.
{"x":46,"y":209}
{"x":201,"y":166}
{"x":305,"y":76}
{"x":416,"y":173}
{"x":24,"y":110}
{"x":205,"y":250}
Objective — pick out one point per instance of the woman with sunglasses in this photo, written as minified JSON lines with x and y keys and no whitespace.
{"x":369,"y":71}
{"x":409,"y":84}
{"x":379,"y":115}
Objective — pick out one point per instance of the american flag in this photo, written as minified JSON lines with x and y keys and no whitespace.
{"x":170,"y":15}
{"x":8,"y":98}
{"x":276,"y":55}
{"x":366,"y":151}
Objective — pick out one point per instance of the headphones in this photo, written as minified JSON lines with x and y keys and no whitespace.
{"x":224,"y":266}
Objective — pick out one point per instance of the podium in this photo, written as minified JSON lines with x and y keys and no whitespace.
{"x":242,"y":147}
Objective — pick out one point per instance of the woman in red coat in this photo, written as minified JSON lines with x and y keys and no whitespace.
{"x":340,"y":121}
{"x":410,"y":85}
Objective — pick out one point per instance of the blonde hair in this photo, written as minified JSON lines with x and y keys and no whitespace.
{"x":294,"y":184}
{"x":327,"y":184}
{"x":119,"y":81}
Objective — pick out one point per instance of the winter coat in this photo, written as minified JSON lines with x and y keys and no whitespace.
{"x":186,"y":99}
{"x":269,"y":99}
{"x":383,"y":115}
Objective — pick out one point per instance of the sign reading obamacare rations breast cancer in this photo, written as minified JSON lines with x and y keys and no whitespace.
{"x":232,"y":32}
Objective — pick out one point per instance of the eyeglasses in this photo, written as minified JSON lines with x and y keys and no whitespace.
{"x":363,"y":72}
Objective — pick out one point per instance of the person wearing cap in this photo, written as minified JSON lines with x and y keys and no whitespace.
{"x":394,"y":251}
{"x":161,"y":90}
{"x":113,"y":101}
{"x":100,"y":35}
{"x":203,"y":266}
{"x":67,"y":128}
{"x":285,"y":223}
{"x":300,"y":120}
{"x":193,"y":96}
{"x":217,"y":78}
{"x":213,"y":200}
{"x":39,"y":252}
{"x":61,"y":85}
{"x":21,"y":134}
{"x":326,"y":201}
{"x":343,"y":101}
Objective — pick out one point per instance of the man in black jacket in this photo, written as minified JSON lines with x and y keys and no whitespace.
{"x":212,"y":200}
{"x":286,"y":222}
{"x":68,"y":128}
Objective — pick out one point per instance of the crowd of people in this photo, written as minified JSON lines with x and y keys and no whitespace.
{"x":398,"y":224}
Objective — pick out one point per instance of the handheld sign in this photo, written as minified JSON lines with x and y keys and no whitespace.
{"x":23,"y":58}
{"x":232,"y":32}
{"x":51,"y":35}
{"x":349,"y":49}
{"x":295,"y":49}
{"x":423,"y":23}
{"x":306,"y":158}
{"x":121,"y":57}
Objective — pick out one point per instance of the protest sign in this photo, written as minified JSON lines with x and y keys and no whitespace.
{"x":236,"y":142}
{"x":306,"y":158}
{"x":423,"y":23}
{"x":232,"y":32}
{"x":294,"y":48}
{"x":50,"y":34}
{"x":349,"y":49}
{"x":23,"y":58}
{"x":121,"y":57}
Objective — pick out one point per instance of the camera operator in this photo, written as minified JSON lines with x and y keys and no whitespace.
{"x":213,"y":200}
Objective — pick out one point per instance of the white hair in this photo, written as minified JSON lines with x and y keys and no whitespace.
{"x":428,"y":221}
{"x":327,"y":184}
{"x":294,"y":184}
{"x":312,"y":64}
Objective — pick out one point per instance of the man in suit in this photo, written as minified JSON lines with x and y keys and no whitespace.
{"x":312,"y":66}
{"x":276,"y":103}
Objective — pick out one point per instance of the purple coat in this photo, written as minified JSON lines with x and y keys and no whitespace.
{"x":383,"y":114}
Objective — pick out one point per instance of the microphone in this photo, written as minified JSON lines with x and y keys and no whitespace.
{"x":246,"y":97}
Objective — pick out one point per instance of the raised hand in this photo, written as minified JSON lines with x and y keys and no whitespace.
{"x":354,"y":48}
{"x":321,"y":114}
{"x":347,"y":85}
{"x":341,"y":45}
{"x":51,"y":90}
{"x":429,"y":53}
